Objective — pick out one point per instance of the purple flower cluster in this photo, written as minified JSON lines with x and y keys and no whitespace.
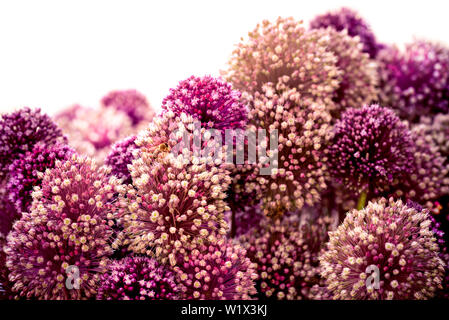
{"x":26,"y":172}
{"x":286,"y":255}
{"x":349,"y":20}
{"x":120,"y":157}
{"x":65,"y":235}
{"x":415,"y":82}
{"x":371,"y":148}
{"x":218,"y":271}
{"x":392,"y":238}
{"x":20,"y":131}
{"x":132,"y":102}
{"x":137,"y":278}
{"x":171,"y":216}
{"x":212,"y":101}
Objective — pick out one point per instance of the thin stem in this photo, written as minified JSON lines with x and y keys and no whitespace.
{"x":362,"y":200}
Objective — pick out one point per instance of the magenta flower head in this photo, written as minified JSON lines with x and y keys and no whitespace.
{"x":216,"y":271}
{"x":349,"y":20}
{"x":286,"y":255}
{"x":359,"y":77}
{"x":371,"y":148}
{"x":429,"y":178}
{"x":92,"y":131}
{"x":415,"y":82}
{"x":137,"y":278}
{"x":26,"y":172}
{"x":131,"y":102}
{"x":303,"y":128}
{"x":8,"y":214}
{"x":210,"y":100}
{"x":385,"y":251}
{"x":59,"y":248}
{"x":283,"y":52}
{"x":120,"y":157}
{"x":175,"y":202}
{"x":20,"y":131}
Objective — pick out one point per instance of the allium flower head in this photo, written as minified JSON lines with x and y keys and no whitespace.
{"x":120,"y":157}
{"x":359,"y":78}
{"x":210,"y":100}
{"x":21,"y":130}
{"x":286,"y":255}
{"x":371,"y":148}
{"x":391,"y":237}
{"x":437,"y":130}
{"x":26,"y":172}
{"x":8,"y":214}
{"x":284,"y":52}
{"x":175,"y":202}
{"x":216,"y":271}
{"x":303,"y":132}
{"x":132,"y":102}
{"x":429,"y":178}
{"x":415,"y":82}
{"x":349,"y":20}
{"x":66,"y":233}
{"x":92,"y":131}
{"x":137,"y":278}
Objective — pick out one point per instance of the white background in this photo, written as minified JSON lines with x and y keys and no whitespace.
{"x":57,"y":53}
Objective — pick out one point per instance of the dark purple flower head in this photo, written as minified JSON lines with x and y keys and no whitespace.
{"x":286,"y":255}
{"x":371,"y":148}
{"x":132,"y":102}
{"x":21,"y":130}
{"x":210,"y":100}
{"x":216,"y":271}
{"x":393,"y":238}
{"x":428,"y":180}
{"x":347,"y":19}
{"x":8,"y":213}
{"x":137,"y":278}
{"x":120,"y":157}
{"x":67,"y":232}
{"x":26,"y":172}
{"x":415,"y":82}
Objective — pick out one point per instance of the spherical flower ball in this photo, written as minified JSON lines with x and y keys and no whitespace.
{"x":349,"y":20}
{"x":176,"y":201}
{"x":8,"y":213}
{"x":370,"y":149}
{"x":20,"y":131}
{"x":59,"y":248}
{"x":437,"y":129}
{"x":132,"y":102}
{"x":389,"y":239}
{"x":92,"y":131}
{"x":137,"y":278}
{"x":359,"y":78}
{"x":415,"y":81}
{"x":284,"y":52}
{"x":429,"y":178}
{"x":216,"y":271}
{"x":26,"y":172}
{"x":120,"y":157}
{"x":298,"y":173}
{"x":286,"y":255}
{"x":210,"y":100}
